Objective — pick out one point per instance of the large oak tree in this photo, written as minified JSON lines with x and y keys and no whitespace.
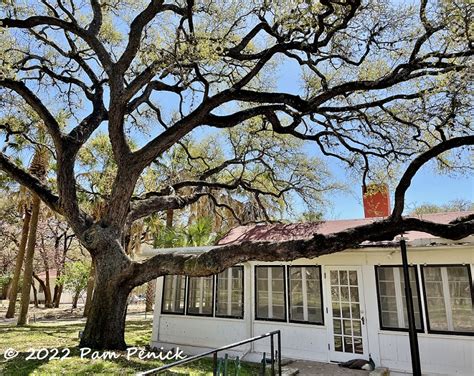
{"x":384,"y":87}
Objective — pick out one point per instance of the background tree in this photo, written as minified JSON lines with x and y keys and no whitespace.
{"x":35,"y":143}
{"x":74,"y":279}
{"x":22,"y":199}
{"x":19,"y":261}
{"x":458,"y":205}
{"x":10,"y":235}
{"x":384,"y":88}
{"x":38,"y":169}
{"x":89,"y":290}
{"x":54,"y":241}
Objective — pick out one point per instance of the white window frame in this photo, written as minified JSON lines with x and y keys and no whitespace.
{"x":400,"y":300}
{"x":270,"y":293}
{"x":447,"y":298}
{"x":228,"y":283}
{"x":174,"y":295}
{"x":304,"y":291}
{"x":200,"y":297}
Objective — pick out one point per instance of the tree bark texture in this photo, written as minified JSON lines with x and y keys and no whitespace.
{"x":46,"y":291}
{"x":18,"y":266}
{"x":169,"y":218}
{"x":35,"y":294}
{"x":150,"y":295}
{"x":105,"y":326}
{"x":28,"y":273}
{"x":89,"y":291}
{"x":58,"y":290}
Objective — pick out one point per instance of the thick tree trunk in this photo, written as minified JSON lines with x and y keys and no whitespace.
{"x":89,"y":291}
{"x":28,"y":273}
{"x":19,"y":263}
{"x":105,"y":326}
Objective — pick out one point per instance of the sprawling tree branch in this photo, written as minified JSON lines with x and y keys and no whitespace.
{"x":219,"y":79}
{"x":218,"y":259}
{"x":136,"y":30}
{"x":31,"y":182}
{"x":72,"y":27}
{"x":380,"y":86}
{"x":145,"y":207}
{"x":38,"y":106}
{"x":96,"y":22}
{"x":417,"y":163}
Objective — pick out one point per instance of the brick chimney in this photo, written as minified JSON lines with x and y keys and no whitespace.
{"x":376,"y":199}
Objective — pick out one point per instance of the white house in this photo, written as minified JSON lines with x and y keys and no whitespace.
{"x":332,"y":308}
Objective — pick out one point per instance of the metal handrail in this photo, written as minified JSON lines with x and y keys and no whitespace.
{"x":215,"y":351}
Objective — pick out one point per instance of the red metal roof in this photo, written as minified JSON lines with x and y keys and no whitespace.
{"x":282,"y":232}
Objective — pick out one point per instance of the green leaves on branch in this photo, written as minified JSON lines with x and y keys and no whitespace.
{"x":75,"y":276}
{"x":198,"y":233}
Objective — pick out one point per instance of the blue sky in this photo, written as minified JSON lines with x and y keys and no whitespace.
{"x":428,"y":186}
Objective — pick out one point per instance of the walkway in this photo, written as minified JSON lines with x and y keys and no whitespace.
{"x":307,"y":368}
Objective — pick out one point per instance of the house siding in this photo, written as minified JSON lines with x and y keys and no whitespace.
{"x":441,"y":354}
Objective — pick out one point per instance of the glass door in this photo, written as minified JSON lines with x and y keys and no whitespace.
{"x":346,"y":314}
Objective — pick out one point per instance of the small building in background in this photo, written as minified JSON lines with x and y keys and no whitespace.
{"x":66,"y":296}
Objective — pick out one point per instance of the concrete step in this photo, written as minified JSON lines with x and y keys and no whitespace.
{"x":287,"y":371}
{"x":286,"y":361}
{"x":380,"y":371}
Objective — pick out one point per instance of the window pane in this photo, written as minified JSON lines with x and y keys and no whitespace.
{"x":391,"y":298}
{"x":270,"y":292}
{"x":461,"y":298}
{"x":200,"y":295}
{"x":296,"y":295}
{"x":305,"y":294}
{"x":173,"y":294}
{"x":414,"y":294}
{"x":449,"y":298}
{"x":229,"y":292}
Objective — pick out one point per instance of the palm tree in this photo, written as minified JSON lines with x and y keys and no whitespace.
{"x":26,"y":209}
{"x":38,"y":168}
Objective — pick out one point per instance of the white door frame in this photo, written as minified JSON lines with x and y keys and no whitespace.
{"x":340,"y":356}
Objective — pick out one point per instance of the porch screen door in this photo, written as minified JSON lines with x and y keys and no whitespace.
{"x":346,"y":311}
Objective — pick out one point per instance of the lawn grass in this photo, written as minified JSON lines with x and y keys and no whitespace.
{"x":63,"y":335}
